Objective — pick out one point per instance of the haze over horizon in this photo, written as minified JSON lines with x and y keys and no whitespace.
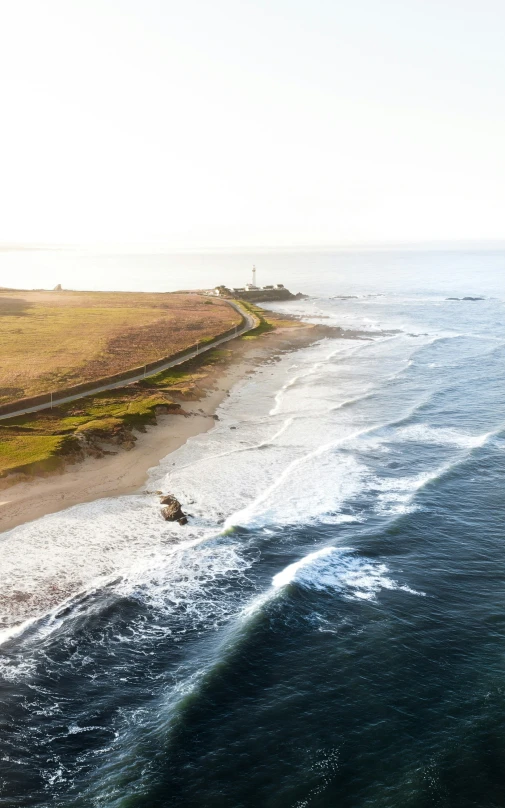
{"x":258,"y":125}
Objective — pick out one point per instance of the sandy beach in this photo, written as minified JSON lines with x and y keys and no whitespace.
{"x":126,"y":471}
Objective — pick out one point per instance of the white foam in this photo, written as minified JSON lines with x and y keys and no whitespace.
{"x":187,"y":580}
{"x":191,"y":589}
{"x":424,"y":433}
{"x":397,"y":495}
{"x":297,"y":494}
{"x":341,"y":570}
{"x":309,"y":370}
{"x":280,"y":395}
{"x":315,"y":485}
{"x":211,"y":458}
{"x":48,"y":561}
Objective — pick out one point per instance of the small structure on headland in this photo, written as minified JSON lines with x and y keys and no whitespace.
{"x":255,"y":293}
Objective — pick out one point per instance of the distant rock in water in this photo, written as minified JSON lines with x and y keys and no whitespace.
{"x":172,"y":511}
{"x":465,"y":298}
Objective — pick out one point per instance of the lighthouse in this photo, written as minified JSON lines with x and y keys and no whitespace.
{"x":250,"y":287}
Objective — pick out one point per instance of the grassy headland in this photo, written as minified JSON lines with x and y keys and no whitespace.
{"x":103,"y":423}
{"x":51,"y":340}
{"x":95,"y":425}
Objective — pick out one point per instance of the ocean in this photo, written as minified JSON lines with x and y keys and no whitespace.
{"x":329,"y":629}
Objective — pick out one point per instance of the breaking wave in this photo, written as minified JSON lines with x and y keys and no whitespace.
{"x":340,"y":570}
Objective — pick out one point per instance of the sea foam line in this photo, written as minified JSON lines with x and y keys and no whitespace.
{"x":345,"y":352}
{"x":244,"y":515}
{"x":407,"y":488}
{"x":287,"y":423}
{"x":340,"y":569}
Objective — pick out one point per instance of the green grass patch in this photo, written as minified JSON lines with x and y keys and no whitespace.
{"x":41,"y":423}
{"x":106,"y":425}
{"x":264,"y":325}
{"x":168,"y":378}
{"x":189,"y":372}
{"x":40,"y":441}
{"x":24,"y":452}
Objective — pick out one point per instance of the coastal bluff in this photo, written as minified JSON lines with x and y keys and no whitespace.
{"x":259,"y":295}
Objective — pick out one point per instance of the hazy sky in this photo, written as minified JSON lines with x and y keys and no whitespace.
{"x":216,"y":123}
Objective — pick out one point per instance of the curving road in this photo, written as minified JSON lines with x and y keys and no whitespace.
{"x":250,"y":322}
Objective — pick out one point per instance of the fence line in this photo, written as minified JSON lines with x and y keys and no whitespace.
{"x":47,"y":400}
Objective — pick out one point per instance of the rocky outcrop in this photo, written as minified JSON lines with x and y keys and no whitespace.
{"x":267,"y":295}
{"x":465,"y":298}
{"x":172,"y":510}
{"x":96,"y":440}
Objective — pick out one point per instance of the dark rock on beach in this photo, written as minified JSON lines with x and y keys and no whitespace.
{"x":172,"y":511}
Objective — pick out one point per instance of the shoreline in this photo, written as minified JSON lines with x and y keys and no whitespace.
{"x":126,"y":472}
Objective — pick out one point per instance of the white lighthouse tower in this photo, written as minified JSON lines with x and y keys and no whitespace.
{"x":250,"y":287}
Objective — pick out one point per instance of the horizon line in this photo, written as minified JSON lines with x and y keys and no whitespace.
{"x":133,"y":248}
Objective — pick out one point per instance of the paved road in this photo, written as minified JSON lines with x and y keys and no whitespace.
{"x":251,"y":322}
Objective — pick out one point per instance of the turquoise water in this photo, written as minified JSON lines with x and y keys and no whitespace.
{"x":329,"y":629}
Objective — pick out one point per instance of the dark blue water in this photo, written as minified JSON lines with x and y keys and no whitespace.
{"x":330,"y":631}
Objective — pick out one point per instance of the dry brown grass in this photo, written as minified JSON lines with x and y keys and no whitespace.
{"x":49,"y":340}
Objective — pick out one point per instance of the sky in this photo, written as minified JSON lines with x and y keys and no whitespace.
{"x":232,"y":123}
